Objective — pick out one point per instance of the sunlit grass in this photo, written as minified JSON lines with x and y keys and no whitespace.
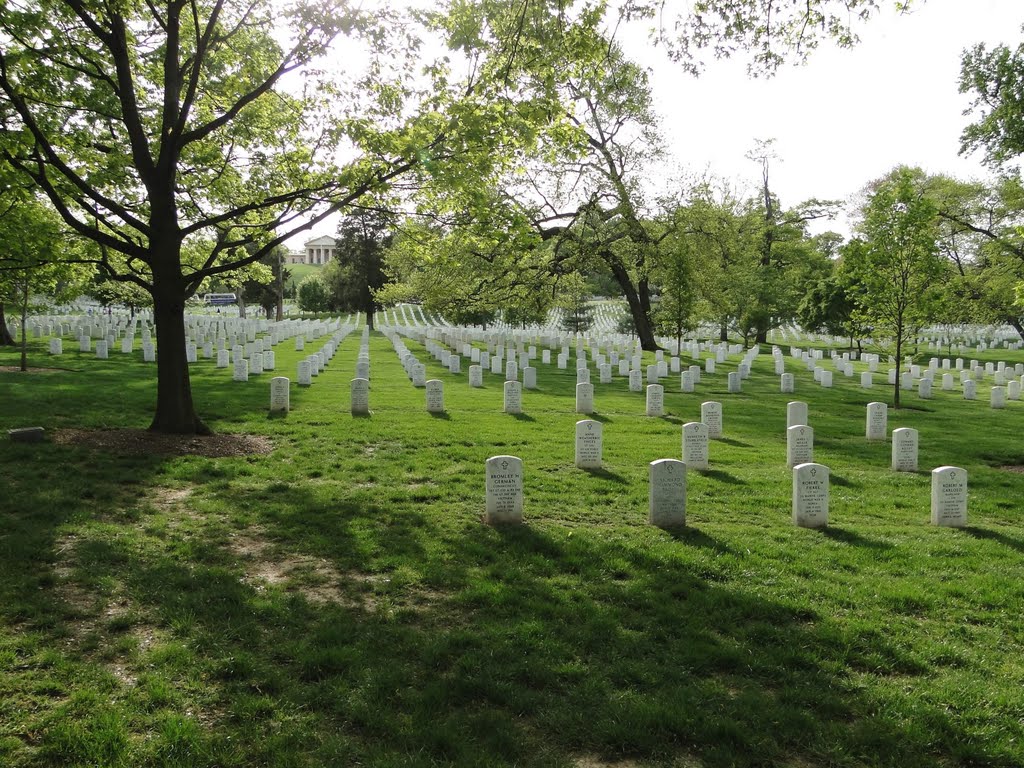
{"x":338,"y":602}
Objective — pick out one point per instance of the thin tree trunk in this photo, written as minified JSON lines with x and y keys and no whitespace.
{"x":175,"y":412}
{"x":24,"y":320}
{"x":899,"y":369}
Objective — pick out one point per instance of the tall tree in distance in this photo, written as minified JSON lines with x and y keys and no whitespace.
{"x":357,"y":272}
{"x":898,"y":264}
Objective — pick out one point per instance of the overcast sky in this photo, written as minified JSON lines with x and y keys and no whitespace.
{"x":847,"y":116}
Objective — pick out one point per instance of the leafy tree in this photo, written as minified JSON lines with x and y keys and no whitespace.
{"x":110,"y":292}
{"x":314,"y":294}
{"x":38,"y":259}
{"x":267,"y":292}
{"x":770,"y":30}
{"x":163,"y":131}
{"x":673,"y":274}
{"x":574,"y":301}
{"x":357,"y":272}
{"x":899,"y":264}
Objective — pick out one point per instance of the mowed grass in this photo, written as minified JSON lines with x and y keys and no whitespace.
{"x":338,"y":602}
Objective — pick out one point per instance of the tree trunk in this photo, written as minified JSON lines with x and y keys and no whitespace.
{"x":642,"y":320}
{"x":24,"y":320}
{"x":1013,"y":321}
{"x":241,"y":304}
{"x":762,"y":336}
{"x":899,"y":370}
{"x":175,"y":413}
{"x":6,"y":340}
{"x":723,"y":332}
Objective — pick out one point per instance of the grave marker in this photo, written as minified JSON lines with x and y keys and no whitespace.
{"x":589,"y":444}
{"x":280,"y":394}
{"x":695,"y":445}
{"x":810,"y":495}
{"x":949,"y":497}
{"x":904,"y":449}
{"x":799,"y":445}
{"x":504,"y":490}
{"x":667,"y":493}
{"x":435,"y":396}
{"x":513,"y":397}
{"x":655,"y":400}
{"x":877,"y":427}
{"x":711,"y":417}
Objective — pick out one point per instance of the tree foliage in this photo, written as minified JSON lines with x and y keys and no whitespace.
{"x":898,"y":264}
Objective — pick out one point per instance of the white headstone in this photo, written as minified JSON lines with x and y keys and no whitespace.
{"x":998,"y":397}
{"x":419,"y":375}
{"x":799,"y":445}
{"x":667,"y":493}
{"x":796,"y":413}
{"x":787,"y":383}
{"x":970,"y":389}
{"x":588,"y":444}
{"x":695,"y":445}
{"x":655,"y":400}
{"x":877,"y":427}
{"x":636,"y":381}
{"x":101,"y":349}
{"x":904,"y":449}
{"x":529,"y":377}
{"x":56,"y":347}
{"x":476,"y":376}
{"x":511,"y":371}
{"x":584,"y":398}
{"x":810,"y":495}
{"x":734,"y":382}
{"x":686,"y":382}
{"x":582,"y":375}
{"x":305,"y":375}
{"x":360,"y":396}
{"x":280,"y":394}
{"x":435,"y":396}
{"x":711,"y":417}
{"x":949,"y":497}
{"x":866,"y":380}
{"x":241,"y":370}
{"x":513,"y":397}
{"x":504,"y":490}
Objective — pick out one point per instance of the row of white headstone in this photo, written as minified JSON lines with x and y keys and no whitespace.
{"x":667,"y":487}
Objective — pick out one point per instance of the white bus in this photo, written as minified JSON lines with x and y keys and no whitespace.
{"x":219,"y":299}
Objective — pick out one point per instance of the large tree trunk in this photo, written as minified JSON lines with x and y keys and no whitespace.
{"x":1013,"y":321}
{"x":762,"y":336}
{"x":175,"y":412}
{"x":641,"y":319}
{"x":6,"y":340}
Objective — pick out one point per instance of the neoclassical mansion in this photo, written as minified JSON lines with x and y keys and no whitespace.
{"x":319,"y":250}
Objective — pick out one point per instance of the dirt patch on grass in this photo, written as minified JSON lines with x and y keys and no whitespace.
{"x":134,"y":441}
{"x":17,"y":369}
{"x":168,"y":498}
{"x":1015,"y":468}
{"x":265,"y":564}
{"x":590,"y":761}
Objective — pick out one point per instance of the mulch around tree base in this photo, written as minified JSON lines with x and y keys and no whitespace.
{"x":145,"y":442}
{"x":31,"y":369}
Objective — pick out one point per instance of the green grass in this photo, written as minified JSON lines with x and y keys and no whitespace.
{"x":338,"y":602}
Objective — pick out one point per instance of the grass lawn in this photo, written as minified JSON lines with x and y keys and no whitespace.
{"x":338,"y":602}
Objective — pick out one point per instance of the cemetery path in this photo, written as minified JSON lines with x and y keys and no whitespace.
{"x":134,"y":441}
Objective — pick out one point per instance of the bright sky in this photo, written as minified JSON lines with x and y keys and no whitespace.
{"x":845,"y":118}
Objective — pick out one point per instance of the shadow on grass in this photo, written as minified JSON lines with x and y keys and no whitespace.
{"x":605,"y":474}
{"x":988,"y":534}
{"x":522,"y":416}
{"x":603,"y":418}
{"x":453,"y":643}
{"x":854,"y":539}
{"x":696,"y":537}
{"x":442,"y":415}
{"x":721,"y":476}
{"x":841,"y":481}
{"x":732,"y":441}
